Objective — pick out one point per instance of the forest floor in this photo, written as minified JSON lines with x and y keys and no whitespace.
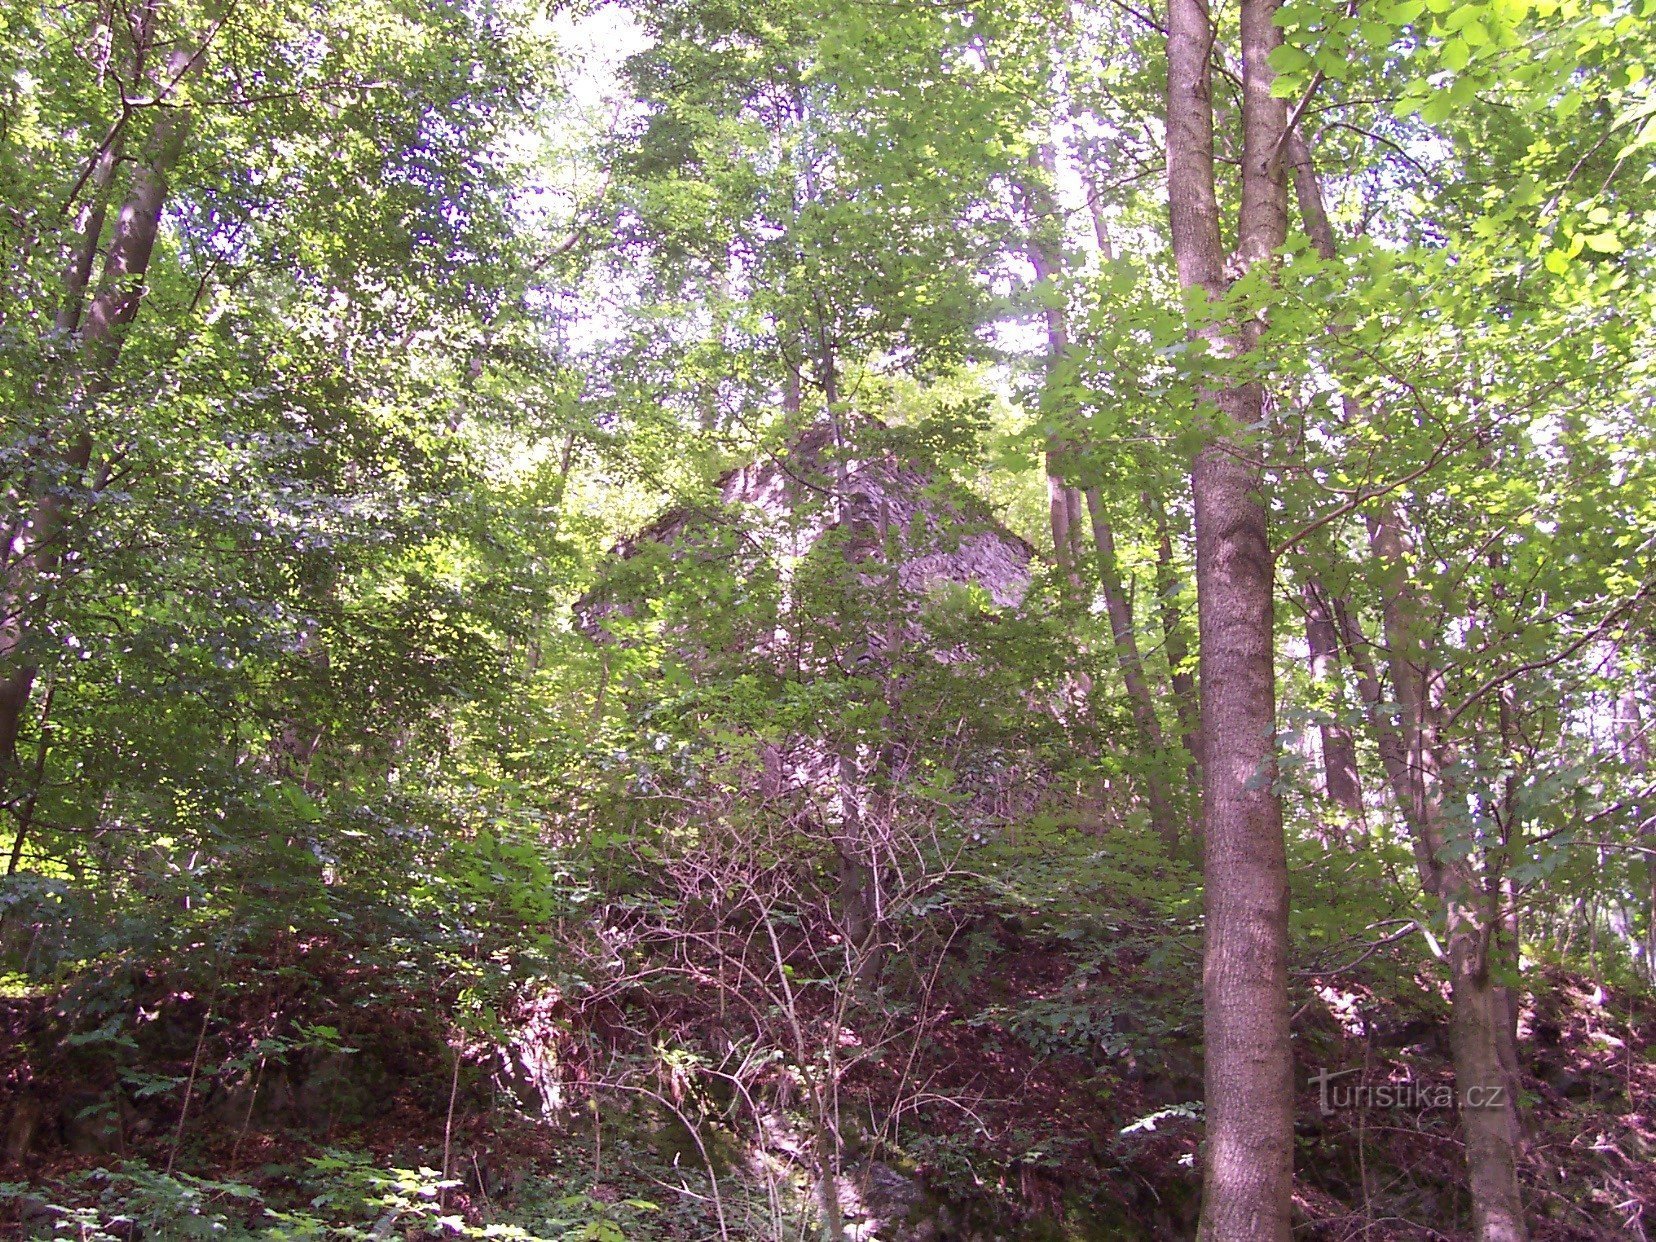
{"x":1032,"y":1105}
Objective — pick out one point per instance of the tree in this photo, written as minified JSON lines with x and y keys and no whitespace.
{"x":1248,"y":1170}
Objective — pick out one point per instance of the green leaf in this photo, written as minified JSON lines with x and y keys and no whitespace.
{"x":1289,"y":59}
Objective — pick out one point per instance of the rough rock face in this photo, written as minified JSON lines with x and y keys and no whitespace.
{"x":785,"y":503}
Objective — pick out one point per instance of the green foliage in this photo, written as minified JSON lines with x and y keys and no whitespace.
{"x":349,"y":1197}
{"x":397,"y":640}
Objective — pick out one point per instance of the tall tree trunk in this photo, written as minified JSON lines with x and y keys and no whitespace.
{"x":1064,"y":514}
{"x":1045,"y":251}
{"x":853,"y":850}
{"x":38,"y":550}
{"x":1046,"y":257}
{"x":1505,"y":945}
{"x":1634,"y":744}
{"x":24,"y":813}
{"x":77,"y":274}
{"x":1175,"y":642}
{"x":16,"y":684}
{"x":1141,"y":703}
{"x":1478,"y":1012}
{"x":1413,"y":753}
{"x":1339,"y":751}
{"x":1248,"y":1174}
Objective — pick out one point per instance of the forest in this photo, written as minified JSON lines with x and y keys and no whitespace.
{"x":845,"y":620}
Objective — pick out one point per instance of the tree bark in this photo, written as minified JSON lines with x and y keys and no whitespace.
{"x":1634,"y":744}
{"x":1248,"y":1169}
{"x":1175,"y":643}
{"x":77,"y":274}
{"x":25,"y":813}
{"x":1140,"y":702}
{"x":1488,"y":1107}
{"x":1341,"y":783}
